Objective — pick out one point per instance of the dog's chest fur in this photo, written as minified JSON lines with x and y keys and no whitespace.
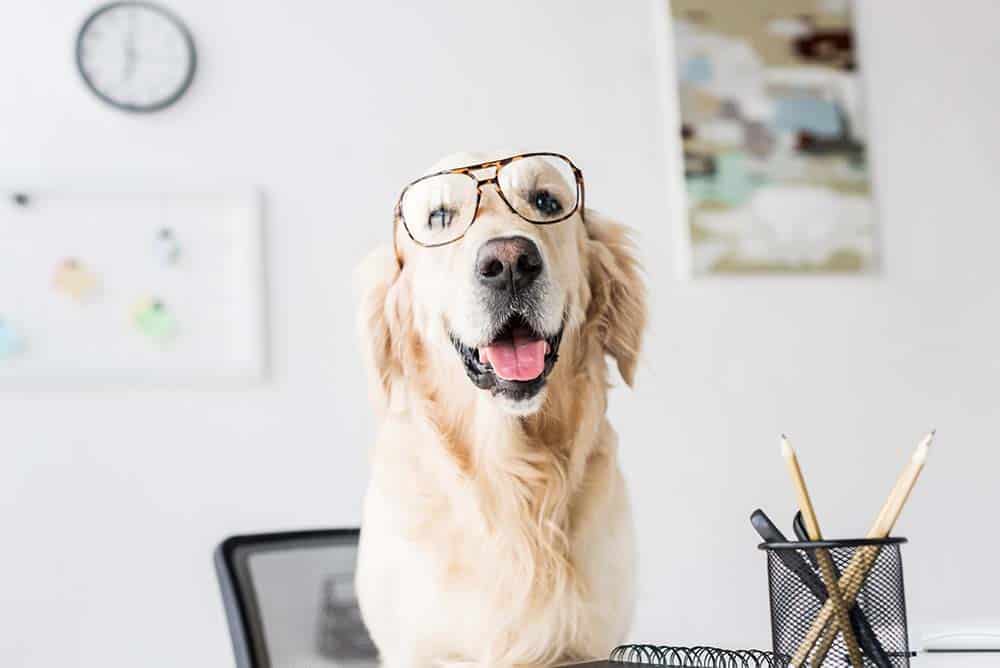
{"x":513,"y":553}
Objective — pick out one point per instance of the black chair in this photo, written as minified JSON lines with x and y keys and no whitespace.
{"x":290,"y":600}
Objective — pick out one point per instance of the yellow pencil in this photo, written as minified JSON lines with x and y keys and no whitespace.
{"x":826,"y":567}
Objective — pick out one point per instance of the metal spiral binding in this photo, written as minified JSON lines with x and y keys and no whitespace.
{"x":702,"y":657}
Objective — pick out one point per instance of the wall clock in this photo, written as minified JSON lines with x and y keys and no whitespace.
{"x":135,"y":56}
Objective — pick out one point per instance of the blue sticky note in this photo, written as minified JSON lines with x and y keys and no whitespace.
{"x":166,"y":246}
{"x":11,"y":342}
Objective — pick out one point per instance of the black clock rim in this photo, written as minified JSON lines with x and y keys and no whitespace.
{"x":167,"y":14}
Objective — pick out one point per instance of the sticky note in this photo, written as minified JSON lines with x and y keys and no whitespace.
{"x":75,"y":280}
{"x":153,"y":319}
{"x":11,"y":341}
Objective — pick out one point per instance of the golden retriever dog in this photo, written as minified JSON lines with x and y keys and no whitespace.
{"x":497,"y":529}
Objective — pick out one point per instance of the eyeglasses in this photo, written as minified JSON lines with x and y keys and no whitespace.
{"x":541,"y":188}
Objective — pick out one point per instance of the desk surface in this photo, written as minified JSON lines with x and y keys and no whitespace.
{"x":922,"y":660}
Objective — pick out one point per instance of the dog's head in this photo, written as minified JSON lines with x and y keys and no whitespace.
{"x":499,"y":303}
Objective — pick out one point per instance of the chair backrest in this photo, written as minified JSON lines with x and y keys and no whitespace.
{"x":290,"y":601}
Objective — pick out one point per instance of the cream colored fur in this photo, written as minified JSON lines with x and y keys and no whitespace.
{"x":493,"y":534}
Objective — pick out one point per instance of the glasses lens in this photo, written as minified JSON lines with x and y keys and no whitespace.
{"x":439,"y":208}
{"x":541,"y":188}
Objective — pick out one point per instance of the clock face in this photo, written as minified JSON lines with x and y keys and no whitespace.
{"x":135,"y":56}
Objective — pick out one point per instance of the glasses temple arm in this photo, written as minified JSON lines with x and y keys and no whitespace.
{"x":397,"y":215}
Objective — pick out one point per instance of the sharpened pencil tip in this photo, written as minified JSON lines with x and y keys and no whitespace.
{"x":786,"y":448}
{"x":920,"y":456}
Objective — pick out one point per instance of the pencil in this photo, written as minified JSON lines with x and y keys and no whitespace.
{"x":854,"y":575}
{"x":900,"y":494}
{"x":826,"y":567}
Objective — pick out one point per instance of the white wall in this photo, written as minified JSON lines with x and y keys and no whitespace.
{"x":111,"y":501}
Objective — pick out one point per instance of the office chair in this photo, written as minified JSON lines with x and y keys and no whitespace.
{"x":290,"y":601}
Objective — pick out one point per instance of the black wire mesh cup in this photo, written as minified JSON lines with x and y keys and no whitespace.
{"x":871,"y":583}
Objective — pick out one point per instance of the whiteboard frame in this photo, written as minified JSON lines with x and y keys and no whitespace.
{"x":256,"y":371}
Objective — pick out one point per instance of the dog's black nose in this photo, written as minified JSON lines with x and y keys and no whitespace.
{"x":508,"y":263}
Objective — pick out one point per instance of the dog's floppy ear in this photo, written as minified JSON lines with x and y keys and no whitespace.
{"x":616,"y":315}
{"x":379,"y":328}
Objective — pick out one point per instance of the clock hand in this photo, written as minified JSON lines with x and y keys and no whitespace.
{"x":129,"y":69}
{"x":130,"y":52}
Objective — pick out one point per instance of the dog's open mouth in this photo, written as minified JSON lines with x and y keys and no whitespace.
{"x":515,"y":363}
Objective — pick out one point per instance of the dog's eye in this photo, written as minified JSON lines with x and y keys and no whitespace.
{"x":545,"y":202}
{"x":439,"y":218}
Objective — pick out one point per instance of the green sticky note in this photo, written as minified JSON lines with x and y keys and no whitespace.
{"x":156,"y":321}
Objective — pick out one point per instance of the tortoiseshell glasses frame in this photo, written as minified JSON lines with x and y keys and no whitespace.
{"x":497,"y":166}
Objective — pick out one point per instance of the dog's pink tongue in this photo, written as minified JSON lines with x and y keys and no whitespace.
{"x":520,"y":359}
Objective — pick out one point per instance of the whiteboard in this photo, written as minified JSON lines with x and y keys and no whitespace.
{"x":139,"y":305}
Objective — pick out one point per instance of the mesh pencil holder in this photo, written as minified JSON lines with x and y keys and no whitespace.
{"x":870,"y":573}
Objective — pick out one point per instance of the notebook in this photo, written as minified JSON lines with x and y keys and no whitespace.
{"x":700,"y":657}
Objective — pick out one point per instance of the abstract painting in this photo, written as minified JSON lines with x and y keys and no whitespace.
{"x":774,"y":137}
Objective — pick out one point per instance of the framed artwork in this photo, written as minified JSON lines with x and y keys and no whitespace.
{"x":774,"y":137}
